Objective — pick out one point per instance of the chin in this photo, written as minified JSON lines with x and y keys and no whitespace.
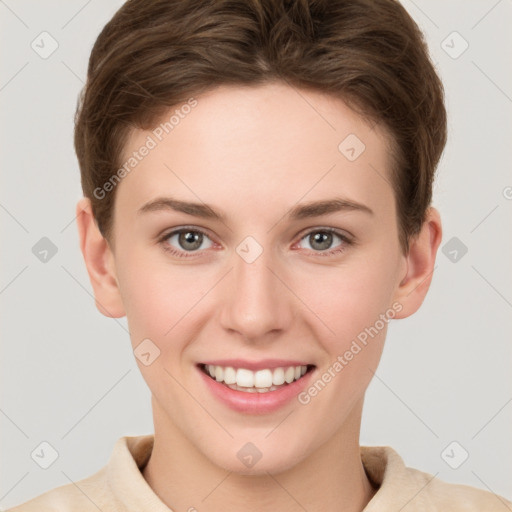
{"x":261,"y":464}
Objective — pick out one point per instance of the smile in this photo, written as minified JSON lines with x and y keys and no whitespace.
{"x":260,"y":381}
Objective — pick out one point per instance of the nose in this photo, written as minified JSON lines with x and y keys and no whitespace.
{"x":257,"y":305}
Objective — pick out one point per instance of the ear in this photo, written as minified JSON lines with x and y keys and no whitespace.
{"x":99,"y":261}
{"x":420,"y":262}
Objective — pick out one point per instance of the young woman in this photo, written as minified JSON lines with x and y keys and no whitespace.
{"x":257,"y":179}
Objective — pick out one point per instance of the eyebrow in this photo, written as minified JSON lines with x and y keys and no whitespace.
{"x":303,"y":211}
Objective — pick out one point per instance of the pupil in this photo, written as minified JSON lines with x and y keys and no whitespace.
{"x":190,"y":237}
{"x":322,"y":240}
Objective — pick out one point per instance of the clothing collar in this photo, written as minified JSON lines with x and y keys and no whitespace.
{"x":384,"y":467}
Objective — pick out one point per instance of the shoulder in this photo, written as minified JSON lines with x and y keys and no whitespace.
{"x":82,"y":495}
{"x":408,"y":489}
{"x":441,"y":495}
{"x":113,"y":487}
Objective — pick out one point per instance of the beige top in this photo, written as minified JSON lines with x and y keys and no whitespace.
{"x":119,"y":486}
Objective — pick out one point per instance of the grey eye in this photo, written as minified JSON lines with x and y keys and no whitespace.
{"x":321,"y":240}
{"x":188,"y":240}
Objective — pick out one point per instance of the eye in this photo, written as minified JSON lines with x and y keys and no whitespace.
{"x":185,"y":240}
{"x":322,"y":240}
{"x":188,"y":241}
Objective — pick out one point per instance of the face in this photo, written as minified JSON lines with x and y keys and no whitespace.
{"x":289,"y":256}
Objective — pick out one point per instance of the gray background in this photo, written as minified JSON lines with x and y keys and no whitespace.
{"x":68,"y":374}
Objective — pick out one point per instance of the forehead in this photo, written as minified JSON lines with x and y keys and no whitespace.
{"x":239,"y":145}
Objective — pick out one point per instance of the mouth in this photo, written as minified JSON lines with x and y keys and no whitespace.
{"x":265,"y":380}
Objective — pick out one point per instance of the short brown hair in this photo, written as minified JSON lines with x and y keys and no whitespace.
{"x":153,"y":55}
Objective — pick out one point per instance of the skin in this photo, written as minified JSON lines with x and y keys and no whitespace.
{"x":253,"y":153}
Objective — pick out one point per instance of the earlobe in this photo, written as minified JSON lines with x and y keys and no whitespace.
{"x":99,"y":262}
{"x":420,"y":262}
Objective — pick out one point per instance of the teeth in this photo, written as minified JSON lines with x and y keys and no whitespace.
{"x":244,"y":378}
{"x":278,"y":376}
{"x":253,"y":390}
{"x":263,"y":379}
{"x":289,"y":374}
{"x":259,"y":381}
{"x":229,"y":375}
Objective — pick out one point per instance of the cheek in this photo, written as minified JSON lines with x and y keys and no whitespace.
{"x":353,"y":307}
{"x":355,"y":302}
{"x":162,"y":305}
{"x":347,"y":299}
{"x":157,"y":299}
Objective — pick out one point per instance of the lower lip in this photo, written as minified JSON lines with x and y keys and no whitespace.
{"x":255,"y":403}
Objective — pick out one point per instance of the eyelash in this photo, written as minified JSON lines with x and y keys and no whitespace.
{"x":188,"y":254}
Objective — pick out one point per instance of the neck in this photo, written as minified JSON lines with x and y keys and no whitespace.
{"x":332,"y":479}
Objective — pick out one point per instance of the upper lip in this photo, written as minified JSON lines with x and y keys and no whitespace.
{"x":256,"y":365}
